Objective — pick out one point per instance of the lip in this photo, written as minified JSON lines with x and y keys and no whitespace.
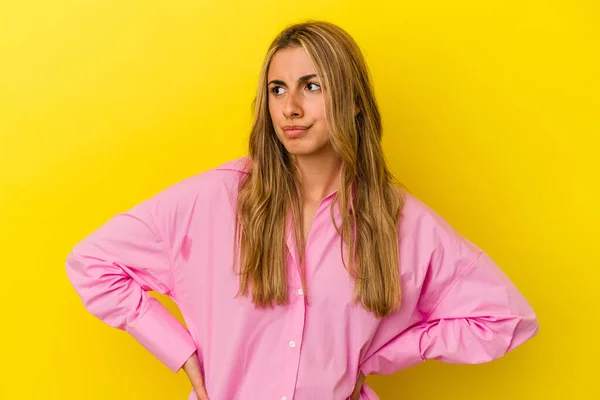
{"x":293,"y":131}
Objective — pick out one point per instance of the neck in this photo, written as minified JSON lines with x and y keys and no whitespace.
{"x":319,"y":174}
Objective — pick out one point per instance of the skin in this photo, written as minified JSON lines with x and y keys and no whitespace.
{"x":295,"y":98}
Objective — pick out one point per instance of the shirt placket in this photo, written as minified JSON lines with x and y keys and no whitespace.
{"x":294,"y":330}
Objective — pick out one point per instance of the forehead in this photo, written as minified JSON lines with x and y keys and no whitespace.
{"x":290,"y":64}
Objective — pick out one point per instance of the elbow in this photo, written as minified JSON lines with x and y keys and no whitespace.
{"x":81,"y":277}
{"x":74,"y":269}
{"x":527,"y":328}
{"x":102,"y":290}
{"x":511,"y":334}
{"x":490,"y":338}
{"x":77,"y":269}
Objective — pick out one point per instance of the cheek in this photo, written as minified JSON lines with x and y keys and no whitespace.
{"x":318,"y":114}
{"x":317,"y":109}
{"x":271,"y":108}
{"x":275,"y":117}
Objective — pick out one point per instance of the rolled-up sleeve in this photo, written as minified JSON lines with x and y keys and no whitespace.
{"x":113,"y":269}
{"x":469,"y":312}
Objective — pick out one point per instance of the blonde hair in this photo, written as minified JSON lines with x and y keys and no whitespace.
{"x":369,"y":200}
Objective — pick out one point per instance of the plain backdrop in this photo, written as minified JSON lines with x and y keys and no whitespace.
{"x":491,"y":116}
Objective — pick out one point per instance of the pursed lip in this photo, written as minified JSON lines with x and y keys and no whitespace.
{"x":295,"y":127}
{"x":295,"y":130}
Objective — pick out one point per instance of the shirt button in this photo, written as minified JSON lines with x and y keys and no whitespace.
{"x":284,"y":398}
{"x":292,"y":343}
{"x":301,"y":292}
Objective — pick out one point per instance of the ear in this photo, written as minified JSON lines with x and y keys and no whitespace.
{"x":356,"y":110}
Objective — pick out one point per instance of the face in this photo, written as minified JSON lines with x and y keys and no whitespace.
{"x":297,"y":104}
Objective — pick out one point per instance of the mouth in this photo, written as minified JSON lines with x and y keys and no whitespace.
{"x":295,"y":131}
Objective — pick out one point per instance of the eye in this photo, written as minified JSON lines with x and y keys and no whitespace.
{"x":277,"y":90}
{"x":313,"y":87}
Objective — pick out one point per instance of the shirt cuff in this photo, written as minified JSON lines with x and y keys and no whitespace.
{"x":163,"y":335}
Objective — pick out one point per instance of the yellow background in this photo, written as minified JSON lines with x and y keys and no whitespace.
{"x":491,"y":116}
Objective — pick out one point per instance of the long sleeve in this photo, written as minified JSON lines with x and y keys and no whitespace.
{"x":113,"y":268}
{"x":468,"y":312}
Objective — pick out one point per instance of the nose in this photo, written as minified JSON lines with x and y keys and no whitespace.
{"x":292,"y":107}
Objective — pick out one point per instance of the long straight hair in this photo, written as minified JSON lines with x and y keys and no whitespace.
{"x":369,"y":199}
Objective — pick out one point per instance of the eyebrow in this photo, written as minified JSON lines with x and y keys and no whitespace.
{"x":302,"y":79}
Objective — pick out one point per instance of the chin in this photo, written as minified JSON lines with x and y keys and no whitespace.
{"x":302,"y":149}
{"x":294,"y":150}
{"x":305,"y":146}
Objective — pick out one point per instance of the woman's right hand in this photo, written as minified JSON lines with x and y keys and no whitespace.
{"x":192,"y":369}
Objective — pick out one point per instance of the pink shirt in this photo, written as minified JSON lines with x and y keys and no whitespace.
{"x":458,"y":306}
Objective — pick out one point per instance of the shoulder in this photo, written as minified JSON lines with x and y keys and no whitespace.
{"x":223,"y":176}
{"x":433,"y":254}
{"x":228,"y":171}
{"x":416,"y":214}
{"x":240,"y":165}
{"x":428,"y":232}
{"x":215,"y":186}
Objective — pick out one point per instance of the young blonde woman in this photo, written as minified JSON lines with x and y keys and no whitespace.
{"x":303,"y":267}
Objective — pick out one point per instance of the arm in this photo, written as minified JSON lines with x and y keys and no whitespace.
{"x":469,"y":312}
{"x":114,"y":267}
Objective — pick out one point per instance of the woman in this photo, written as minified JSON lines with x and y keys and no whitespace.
{"x":302,"y":268}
